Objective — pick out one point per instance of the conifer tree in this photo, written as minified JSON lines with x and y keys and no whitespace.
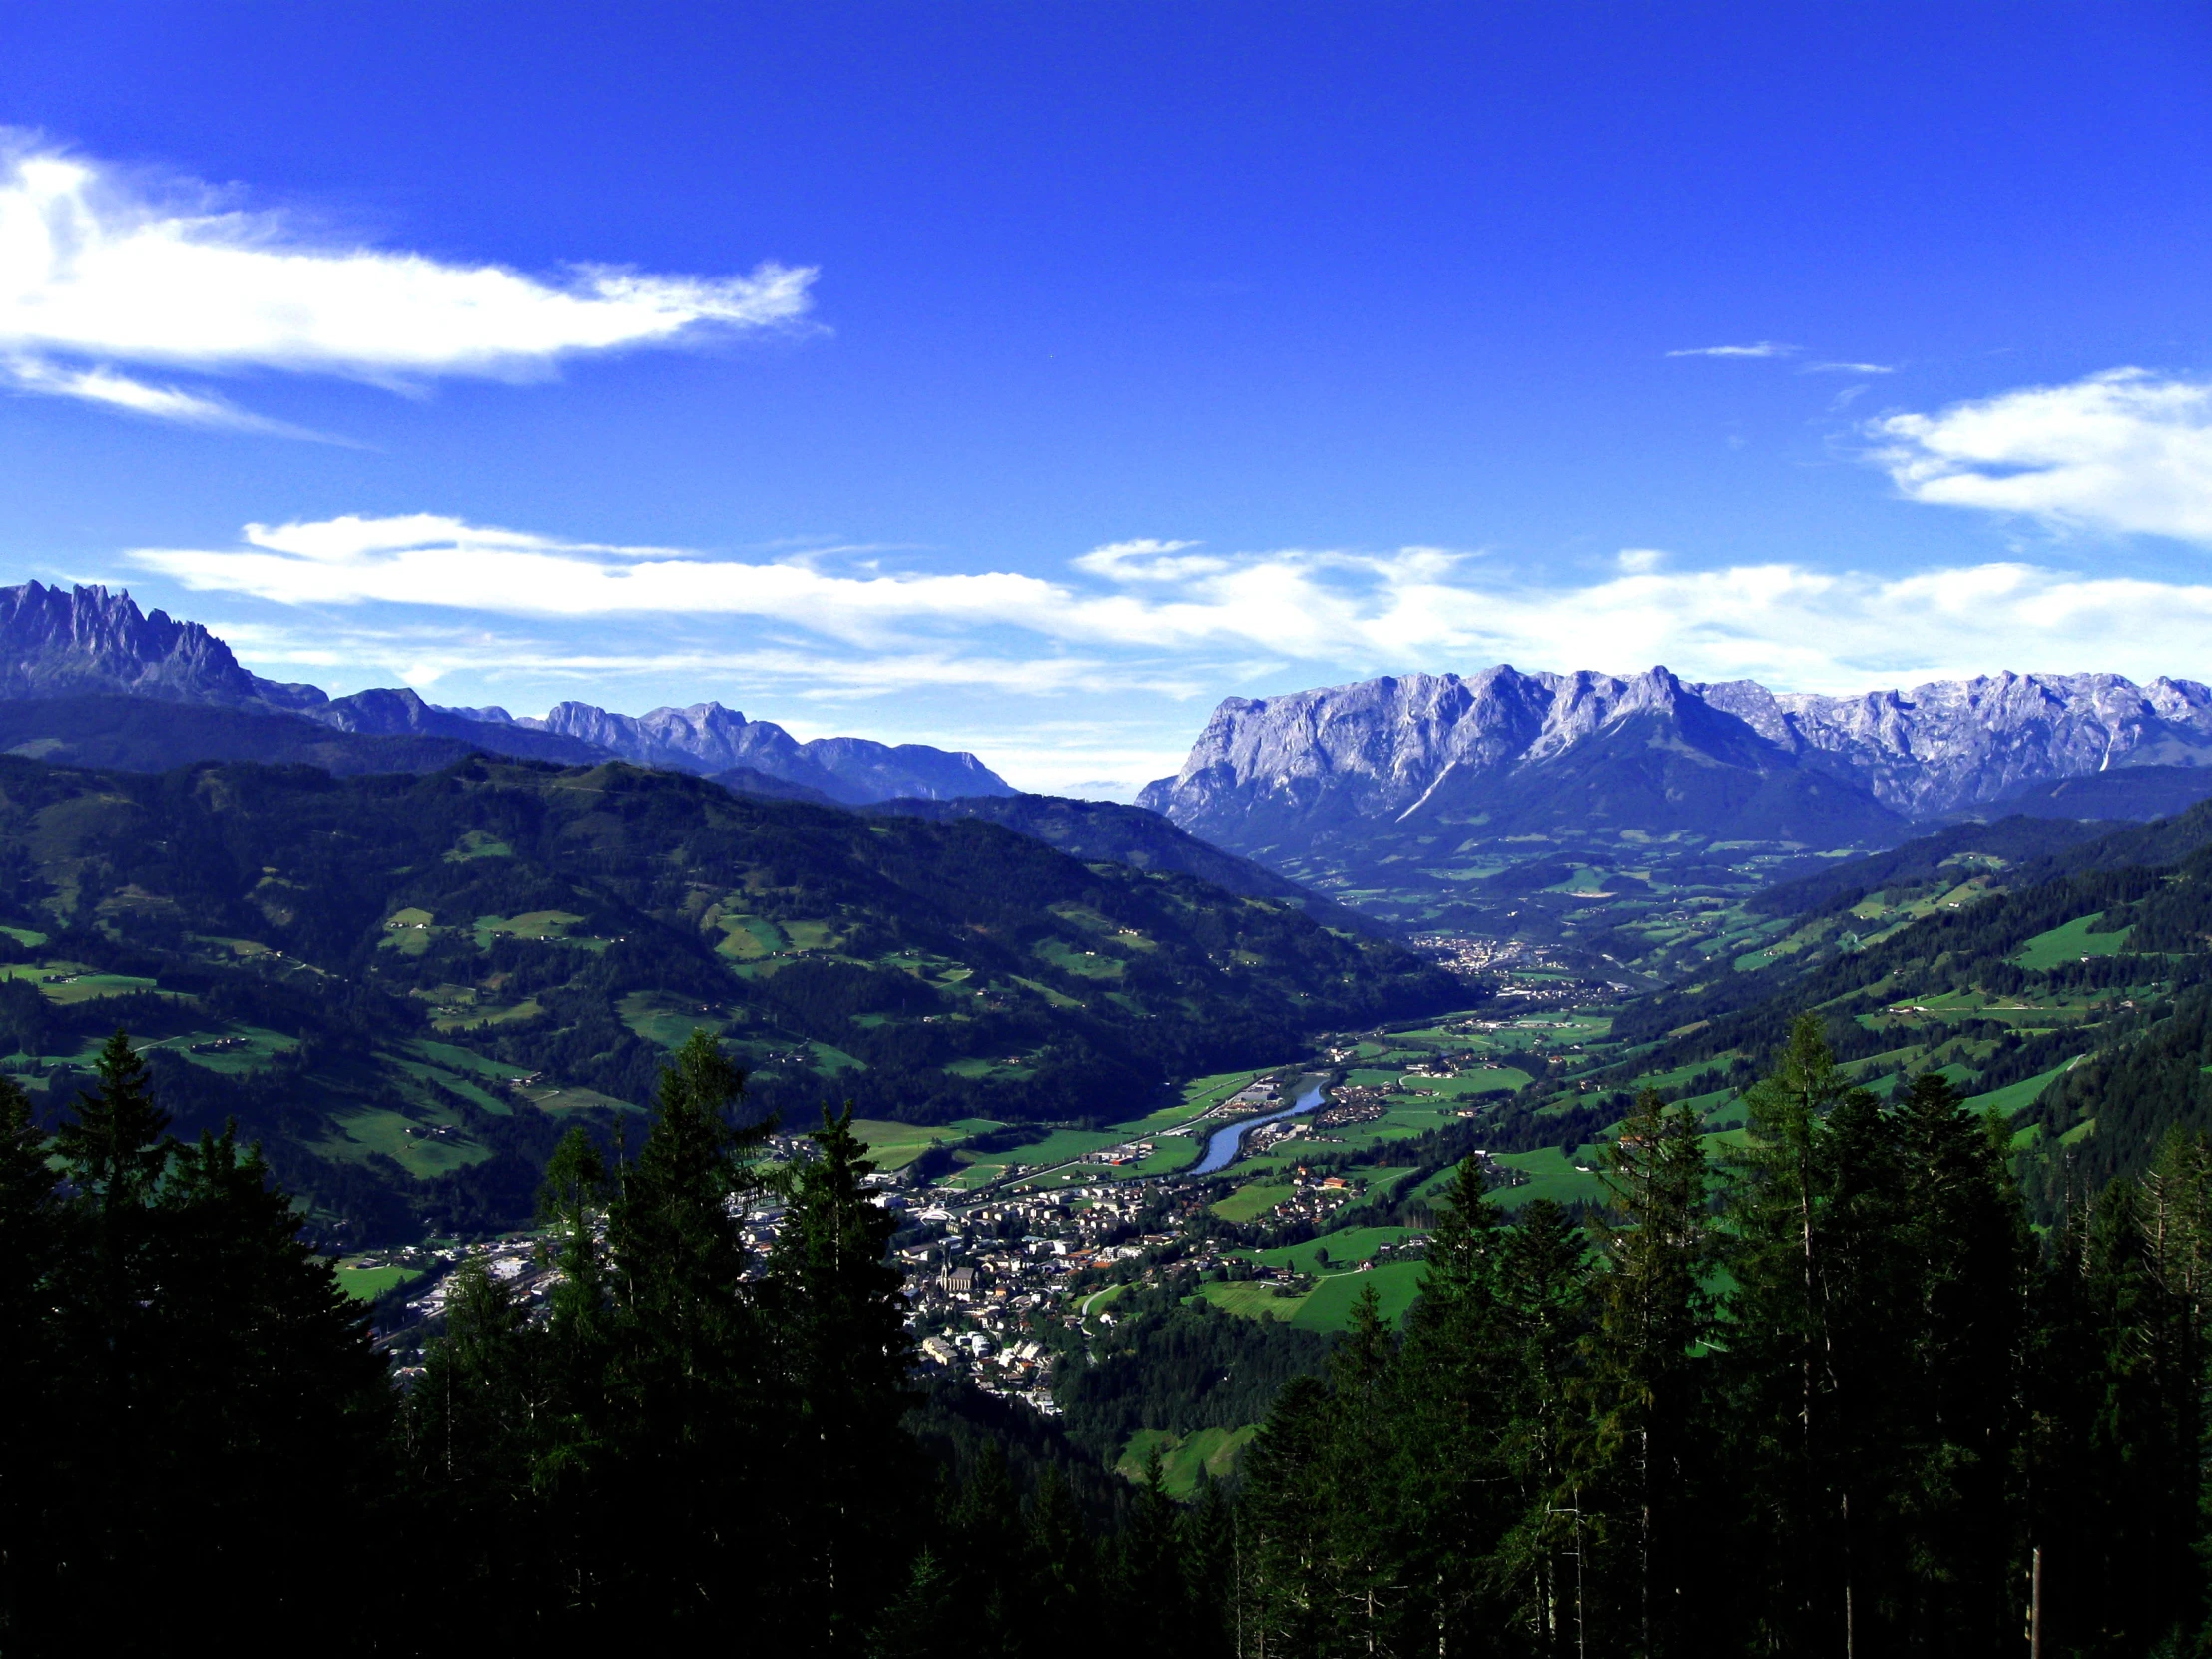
{"x":1545,"y":1291}
{"x":839,"y":1320}
{"x":693,"y":1360}
{"x":1652,"y":1433}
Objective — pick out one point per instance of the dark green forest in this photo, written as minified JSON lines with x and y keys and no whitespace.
{"x":1827,"y":1393}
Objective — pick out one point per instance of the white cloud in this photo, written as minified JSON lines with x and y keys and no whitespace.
{"x":116,"y":391}
{"x":1146,"y":560}
{"x":2124,"y":450}
{"x":95,"y":269}
{"x":1241,"y":620}
{"x":1848,"y":368}
{"x":1758,"y":348}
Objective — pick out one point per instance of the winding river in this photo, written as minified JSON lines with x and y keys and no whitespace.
{"x":1222,"y":1144}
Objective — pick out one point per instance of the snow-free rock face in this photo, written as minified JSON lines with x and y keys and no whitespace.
{"x":1955,"y":744}
{"x":57,"y":642}
{"x":1651,"y":752}
{"x":708,"y":738}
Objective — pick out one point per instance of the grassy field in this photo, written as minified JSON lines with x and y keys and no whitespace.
{"x":663,"y":1019}
{"x":1477,"y":1081}
{"x":2016,"y":1098}
{"x":896,"y":1145}
{"x":1253,"y":1297}
{"x":1252,"y":1200}
{"x":367,"y":1284}
{"x":1055,"y":1148}
{"x":1215,"y":1451}
{"x":1550,"y":1176}
{"x":377,"y":1129}
{"x":260,"y":1047}
{"x":1343,"y":1247}
{"x":422,"y":1071}
{"x":1327,"y":1306}
{"x":2071,"y":943}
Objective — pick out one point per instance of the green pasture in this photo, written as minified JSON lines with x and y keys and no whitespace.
{"x":374,"y":1129}
{"x":532,"y":925}
{"x":664,"y":1020}
{"x":1169,"y":1154}
{"x":1345,"y":1246}
{"x":1477,"y":1081}
{"x":422,"y":1071}
{"x":261,"y":1047}
{"x":1255,"y":1298}
{"x":366,"y":1284}
{"x":1327,"y":1306}
{"x":1252,"y":1200}
{"x":577,"y":1100}
{"x":896,"y":1145}
{"x":1058,"y":1000}
{"x":1549,"y":1175}
{"x":455,"y":1058}
{"x":482,"y":1014}
{"x":476,"y":844}
{"x":2015,"y":1098}
{"x":2071,"y":943}
{"x":1215,"y":1451}
{"x":1087,"y":965}
{"x":1057,"y":1148}
{"x":83,"y":984}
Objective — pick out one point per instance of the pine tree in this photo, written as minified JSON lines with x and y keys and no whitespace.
{"x":1453,"y":1400}
{"x":693,"y":1363}
{"x":1959,"y":1420}
{"x":1544,"y":1288}
{"x":838,"y":1318}
{"x":1648,"y":1382}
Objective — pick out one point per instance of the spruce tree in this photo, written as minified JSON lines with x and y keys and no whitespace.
{"x":837,"y":1316}
{"x":693,"y":1364}
{"x":1648,"y":1380}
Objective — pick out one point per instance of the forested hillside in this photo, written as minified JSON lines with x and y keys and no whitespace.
{"x":403,"y":985}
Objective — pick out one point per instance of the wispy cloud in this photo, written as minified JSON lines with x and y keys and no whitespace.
{"x":1849,"y":369}
{"x":97,"y":270}
{"x":1120,"y":626}
{"x":2125,"y":450}
{"x":1758,"y":348}
{"x":117,"y":391}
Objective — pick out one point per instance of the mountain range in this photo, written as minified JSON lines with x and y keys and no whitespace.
{"x":86,"y":642}
{"x":1508,"y":753}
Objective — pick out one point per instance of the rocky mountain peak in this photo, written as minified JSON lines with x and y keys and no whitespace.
{"x":1404,"y":746}
{"x":56,"y":642}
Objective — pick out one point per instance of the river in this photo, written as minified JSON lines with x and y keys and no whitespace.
{"x":1221,"y":1146}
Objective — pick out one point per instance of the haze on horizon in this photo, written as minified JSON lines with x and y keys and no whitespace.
{"x":1025,"y":380}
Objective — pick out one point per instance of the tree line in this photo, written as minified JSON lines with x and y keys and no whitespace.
{"x":1827,"y":1394}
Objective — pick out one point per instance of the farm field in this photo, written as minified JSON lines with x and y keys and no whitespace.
{"x":896,"y":1145}
{"x":1341,"y":1248}
{"x":366,"y":1284}
{"x":2071,"y":943}
{"x":1252,"y":1200}
{"x":1552,"y":1176}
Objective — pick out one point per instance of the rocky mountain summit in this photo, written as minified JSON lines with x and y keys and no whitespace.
{"x":57,"y":642}
{"x":1513,"y":752}
{"x":86,"y":646}
{"x":708,"y":738}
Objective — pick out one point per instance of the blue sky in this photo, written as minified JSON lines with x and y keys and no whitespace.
{"x":1028,"y":377}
